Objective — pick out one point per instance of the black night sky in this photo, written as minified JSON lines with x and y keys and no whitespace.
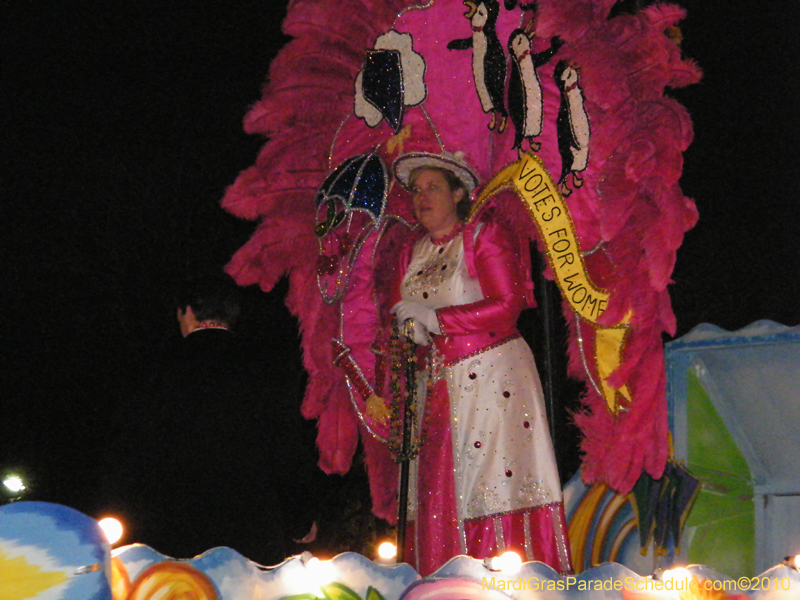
{"x":122,"y":129}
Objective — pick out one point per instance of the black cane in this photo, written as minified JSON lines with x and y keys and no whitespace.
{"x":408,"y":424}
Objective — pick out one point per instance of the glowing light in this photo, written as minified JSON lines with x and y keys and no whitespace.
{"x":508,"y":562}
{"x":675,"y":575}
{"x":679,"y":579}
{"x":14,"y":484}
{"x":387,"y":550}
{"x":322,"y":572}
{"x":112,"y":529}
{"x":797,"y":562}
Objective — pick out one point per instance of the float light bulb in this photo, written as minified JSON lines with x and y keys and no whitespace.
{"x":321,"y":571}
{"x":387,"y":550}
{"x":14,"y":484}
{"x":112,"y":529}
{"x":797,"y":562}
{"x":508,"y":562}
{"x":676,"y":575}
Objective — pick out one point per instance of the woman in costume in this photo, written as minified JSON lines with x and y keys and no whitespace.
{"x":485,"y":479}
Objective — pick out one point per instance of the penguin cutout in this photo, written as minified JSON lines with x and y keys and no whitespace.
{"x":525,"y":104}
{"x":383,"y":85}
{"x":488,"y":58}
{"x":572,"y":127}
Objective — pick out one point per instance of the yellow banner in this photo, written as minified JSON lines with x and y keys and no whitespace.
{"x":548,"y":210}
{"x":533,"y":184}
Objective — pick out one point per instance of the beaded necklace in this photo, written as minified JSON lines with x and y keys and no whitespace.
{"x":403,"y":386}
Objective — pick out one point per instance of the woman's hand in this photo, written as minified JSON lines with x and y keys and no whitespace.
{"x":422,"y":315}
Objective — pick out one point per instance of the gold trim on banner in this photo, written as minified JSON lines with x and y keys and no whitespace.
{"x":532,"y":183}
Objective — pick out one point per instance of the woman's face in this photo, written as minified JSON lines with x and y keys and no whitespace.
{"x":434,"y":202}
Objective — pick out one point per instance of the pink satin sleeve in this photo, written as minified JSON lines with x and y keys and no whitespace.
{"x":499,"y":271}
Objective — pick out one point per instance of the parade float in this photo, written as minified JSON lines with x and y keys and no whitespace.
{"x":48,"y":551}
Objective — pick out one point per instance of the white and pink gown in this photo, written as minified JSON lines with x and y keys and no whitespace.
{"x":485,"y":480}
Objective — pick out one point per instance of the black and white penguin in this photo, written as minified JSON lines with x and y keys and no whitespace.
{"x":524,"y":87}
{"x":572,"y":127}
{"x":488,"y":58}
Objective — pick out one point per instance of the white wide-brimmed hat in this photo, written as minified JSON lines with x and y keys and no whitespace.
{"x":405,"y":164}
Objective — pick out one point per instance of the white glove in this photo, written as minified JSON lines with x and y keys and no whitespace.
{"x":422,"y":315}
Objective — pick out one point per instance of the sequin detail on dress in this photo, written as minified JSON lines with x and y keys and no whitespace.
{"x":484,"y":501}
{"x":435,"y":271}
{"x":532,"y":493}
